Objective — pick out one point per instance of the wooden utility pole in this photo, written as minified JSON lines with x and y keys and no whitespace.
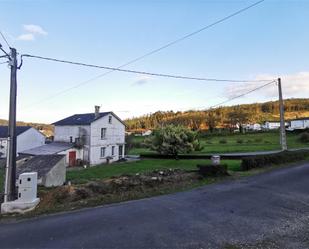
{"x":10,"y":179}
{"x":282,"y":122}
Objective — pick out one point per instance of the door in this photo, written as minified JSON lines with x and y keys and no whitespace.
{"x":72,"y":158}
{"x":120,"y":151}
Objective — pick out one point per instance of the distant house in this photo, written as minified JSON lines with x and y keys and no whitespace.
{"x":27,"y":138}
{"x":272,"y":125}
{"x":299,"y":124}
{"x":253,"y":127}
{"x":91,"y":138}
{"x":51,"y":169}
{"x":147,"y":133}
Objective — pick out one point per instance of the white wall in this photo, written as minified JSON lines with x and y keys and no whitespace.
{"x":115,"y":136}
{"x":29,"y":139}
{"x":3,"y":146}
{"x":63,"y":133}
{"x":300,"y":124}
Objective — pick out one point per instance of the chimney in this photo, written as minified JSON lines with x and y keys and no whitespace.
{"x":96,"y":111}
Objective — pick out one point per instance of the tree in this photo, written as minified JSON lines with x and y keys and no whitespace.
{"x":173,"y":140}
{"x":211,"y":120}
{"x":238,"y":118}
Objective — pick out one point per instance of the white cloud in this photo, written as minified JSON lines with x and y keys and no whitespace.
{"x":293,"y":85}
{"x":142,"y":80}
{"x":31,"y":32}
{"x":34,"y":29}
{"x":26,"y":37}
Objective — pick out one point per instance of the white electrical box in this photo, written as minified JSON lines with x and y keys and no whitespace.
{"x":27,"y":187}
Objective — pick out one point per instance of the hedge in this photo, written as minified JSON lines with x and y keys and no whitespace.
{"x":273,"y":159}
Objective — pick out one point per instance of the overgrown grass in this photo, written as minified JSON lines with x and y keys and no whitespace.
{"x":250,"y":142}
{"x":107,"y":171}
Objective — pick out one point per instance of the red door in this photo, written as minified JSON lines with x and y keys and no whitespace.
{"x":72,"y":158}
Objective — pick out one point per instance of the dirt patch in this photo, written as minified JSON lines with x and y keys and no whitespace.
{"x":115,"y":189}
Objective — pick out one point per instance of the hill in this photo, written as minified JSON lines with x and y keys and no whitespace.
{"x":222,"y":117}
{"x":46,"y":129}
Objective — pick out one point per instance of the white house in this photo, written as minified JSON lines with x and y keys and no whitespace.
{"x":253,"y":127}
{"x":272,"y":125}
{"x":27,"y":138}
{"x":299,"y":124}
{"x":99,"y":137}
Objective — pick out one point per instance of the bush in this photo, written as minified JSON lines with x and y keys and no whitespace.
{"x":223,"y":141}
{"x":273,"y":159}
{"x":212,"y":170}
{"x":249,"y":141}
{"x":239,"y":141}
{"x":304,"y":137}
{"x":174,"y":140}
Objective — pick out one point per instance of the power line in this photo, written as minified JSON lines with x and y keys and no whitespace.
{"x":4,"y":39}
{"x":161,"y":48}
{"x":243,"y":94}
{"x":141,"y":72}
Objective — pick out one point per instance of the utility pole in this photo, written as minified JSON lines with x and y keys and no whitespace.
{"x":10,"y":179}
{"x":282,"y":122}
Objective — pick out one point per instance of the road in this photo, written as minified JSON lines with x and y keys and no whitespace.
{"x":270,"y":210}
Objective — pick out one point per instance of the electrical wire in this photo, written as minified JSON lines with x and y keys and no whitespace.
{"x":243,"y":94}
{"x":4,"y":39}
{"x":141,"y":72}
{"x":159,"y":49}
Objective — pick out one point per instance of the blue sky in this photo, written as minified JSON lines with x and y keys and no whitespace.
{"x":267,"y":41}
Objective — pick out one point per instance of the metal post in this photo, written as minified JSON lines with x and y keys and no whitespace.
{"x":282,"y":122}
{"x":10,"y":180}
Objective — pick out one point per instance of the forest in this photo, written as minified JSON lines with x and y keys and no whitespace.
{"x":221,"y":117}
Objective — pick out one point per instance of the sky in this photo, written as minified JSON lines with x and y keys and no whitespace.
{"x":265,"y":42}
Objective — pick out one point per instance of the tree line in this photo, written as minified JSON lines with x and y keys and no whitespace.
{"x":221,"y":117}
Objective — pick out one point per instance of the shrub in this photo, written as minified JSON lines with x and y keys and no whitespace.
{"x":249,"y":141}
{"x":239,"y":141}
{"x":273,"y":159}
{"x":223,"y":141}
{"x":212,"y":170}
{"x":174,"y":140}
{"x":304,"y":137}
{"x":267,"y":142}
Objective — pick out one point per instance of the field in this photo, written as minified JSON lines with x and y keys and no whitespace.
{"x":107,"y":171}
{"x":235,"y":143}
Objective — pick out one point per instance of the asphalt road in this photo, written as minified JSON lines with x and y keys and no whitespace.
{"x":270,"y":210}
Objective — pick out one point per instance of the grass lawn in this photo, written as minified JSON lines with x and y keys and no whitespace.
{"x":116,"y":169}
{"x":238,"y":143}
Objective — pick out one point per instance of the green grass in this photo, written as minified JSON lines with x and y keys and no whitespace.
{"x":107,"y":171}
{"x":250,"y":142}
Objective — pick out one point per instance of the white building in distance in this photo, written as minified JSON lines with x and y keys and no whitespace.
{"x":27,"y":138}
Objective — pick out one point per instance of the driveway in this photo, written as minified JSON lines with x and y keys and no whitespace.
{"x":270,"y":210}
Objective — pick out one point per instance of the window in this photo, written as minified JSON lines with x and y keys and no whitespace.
{"x":103,"y":133}
{"x":71,"y":139}
{"x":103,"y":151}
{"x":109,"y":119}
{"x":113,"y":150}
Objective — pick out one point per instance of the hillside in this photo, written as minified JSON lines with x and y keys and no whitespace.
{"x":46,"y":129}
{"x":222,"y":117}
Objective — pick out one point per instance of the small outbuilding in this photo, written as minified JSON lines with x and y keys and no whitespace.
{"x":51,"y":169}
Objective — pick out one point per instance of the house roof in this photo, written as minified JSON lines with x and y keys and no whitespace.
{"x":41,"y":164}
{"x":19,"y":130}
{"x":48,"y":149}
{"x":84,"y":119}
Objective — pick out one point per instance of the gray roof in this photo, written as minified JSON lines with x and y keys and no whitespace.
{"x":84,"y":119}
{"x":80,"y":119}
{"x":48,"y":149}
{"x":19,"y":130}
{"x":40,"y":164}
